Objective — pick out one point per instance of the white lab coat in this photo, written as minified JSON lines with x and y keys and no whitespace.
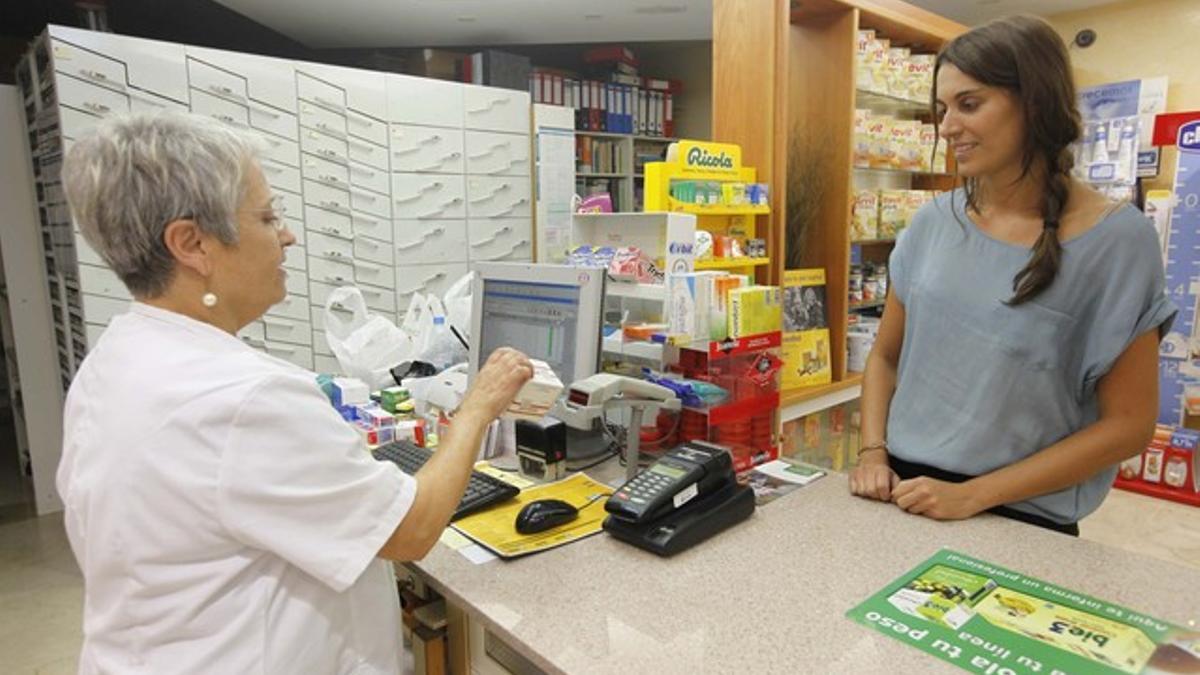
{"x":225,"y":518}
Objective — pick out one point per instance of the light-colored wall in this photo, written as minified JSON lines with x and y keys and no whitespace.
{"x":1136,"y":39}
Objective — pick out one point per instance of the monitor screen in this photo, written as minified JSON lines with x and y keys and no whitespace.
{"x":547,"y":314}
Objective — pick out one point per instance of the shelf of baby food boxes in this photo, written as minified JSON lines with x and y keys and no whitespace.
{"x":731,"y":263}
{"x":1160,"y":491}
{"x":888,"y":104}
{"x":796,"y":403}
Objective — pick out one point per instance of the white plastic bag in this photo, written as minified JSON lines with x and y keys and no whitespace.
{"x":366,"y":345}
{"x":457,"y":300}
{"x":436,"y":343}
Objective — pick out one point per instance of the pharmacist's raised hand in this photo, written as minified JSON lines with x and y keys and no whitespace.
{"x":873,"y":478}
{"x":937,"y":499}
{"x":497,"y":383}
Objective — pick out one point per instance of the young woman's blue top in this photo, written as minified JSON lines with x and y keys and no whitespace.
{"x":982,"y":385}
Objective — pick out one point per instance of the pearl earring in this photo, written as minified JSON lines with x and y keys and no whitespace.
{"x":209,"y":299}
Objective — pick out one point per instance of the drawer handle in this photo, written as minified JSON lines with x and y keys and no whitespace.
{"x":334,"y":206}
{"x":424,"y":284}
{"x":335,"y":278}
{"x":225,"y":92}
{"x":272,"y":169}
{"x":360,"y":143}
{"x":276,"y":322}
{"x":512,"y":249}
{"x":261,"y":344}
{"x":485,"y":153}
{"x":441,"y":161}
{"x":333,"y":231}
{"x":281,"y":348}
{"x":328,"y":105}
{"x":441,"y":208}
{"x":230,"y":121}
{"x":511,"y":207}
{"x":326,"y":152}
{"x":409,"y":245}
{"x":340,"y":135}
{"x":330,"y":179}
{"x":358,"y":169}
{"x":496,"y":235}
{"x":503,"y":188}
{"x":97,"y":107}
{"x":97,"y":76}
{"x":366,"y":241}
{"x":365,"y":219}
{"x":339,"y":307}
{"x":495,"y":102}
{"x":263,"y":109}
{"x":368,"y":267}
{"x":336,"y":255}
{"x":437,"y":185}
{"x":374,"y":294}
{"x":360,"y":120}
{"x":364,"y":194}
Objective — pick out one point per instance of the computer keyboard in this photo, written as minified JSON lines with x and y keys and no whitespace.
{"x":482,"y":490}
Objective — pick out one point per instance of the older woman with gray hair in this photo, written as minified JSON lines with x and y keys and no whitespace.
{"x":225,"y":518}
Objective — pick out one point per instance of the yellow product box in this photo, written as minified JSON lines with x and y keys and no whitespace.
{"x":878,"y":133}
{"x":919,"y":68}
{"x":906,"y":137}
{"x":897,"y":82}
{"x":754,"y":310}
{"x":891,"y":213}
{"x":1095,"y":638}
{"x":877,"y":54}
{"x":927,"y":141}
{"x":862,"y":60}
{"x":862,"y":138}
{"x":806,"y":359}
{"x":864,"y":222}
{"x":913,"y":201}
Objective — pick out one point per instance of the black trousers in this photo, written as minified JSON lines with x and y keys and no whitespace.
{"x":907,"y":470}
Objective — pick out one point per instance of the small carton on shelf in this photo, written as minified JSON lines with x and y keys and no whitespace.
{"x":878,"y":135}
{"x":928,"y":140}
{"x":906,"y":144}
{"x":754,"y":310}
{"x":864,"y":222}
{"x":689,"y":303}
{"x":920,"y":76}
{"x":864,"y":74}
{"x":718,"y":323}
{"x":891,"y":212}
{"x":895,"y":73}
{"x":862,"y":138}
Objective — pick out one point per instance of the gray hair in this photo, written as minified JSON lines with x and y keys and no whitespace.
{"x":131,"y":175}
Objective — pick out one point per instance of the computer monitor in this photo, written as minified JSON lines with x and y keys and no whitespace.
{"x":550,"y":312}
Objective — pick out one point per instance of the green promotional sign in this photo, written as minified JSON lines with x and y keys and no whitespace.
{"x":987,"y":619}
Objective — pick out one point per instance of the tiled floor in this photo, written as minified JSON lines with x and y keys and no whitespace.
{"x":41,"y":591}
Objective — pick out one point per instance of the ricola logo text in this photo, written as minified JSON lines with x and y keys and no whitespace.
{"x":1189,"y":136}
{"x":701,"y":157}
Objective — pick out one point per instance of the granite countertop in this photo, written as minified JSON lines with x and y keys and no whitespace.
{"x":770,"y":594}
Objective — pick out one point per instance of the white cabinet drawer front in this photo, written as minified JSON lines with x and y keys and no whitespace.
{"x":426,"y":150}
{"x":102,"y":281}
{"x":213,"y":80}
{"x":373,"y":250}
{"x":292,"y":307}
{"x":84,"y":252}
{"x":90,"y":98}
{"x":314,"y":90}
{"x":266,"y":118}
{"x":321,"y":348}
{"x":93,"y":333}
{"x":366,"y":128}
{"x":75,"y":122}
{"x":427,"y":279}
{"x":420,"y":100}
{"x":100,"y":310}
{"x":318,"y":220}
{"x":281,"y":176}
{"x":298,"y":354}
{"x":506,"y":154}
{"x":254,"y":333}
{"x":369,"y":177}
{"x":327,"y":271}
{"x":416,"y":195}
{"x":317,"y":117}
{"x":281,"y":150}
{"x":424,"y":241}
{"x":380,"y":276}
{"x":326,"y":364}
{"x":500,"y":238}
{"x":493,"y":109}
{"x":140,"y":101}
{"x":291,"y":331}
{"x":293,"y":207}
{"x":295,"y":258}
{"x":366,"y":201}
{"x":330,"y":248}
{"x":368,"y":152}
{"x":88,"y":65}
{"x":497,"y":197}
{"x":328,"y":197}
{"x":269,"y":80}
{"x":297,"y":282}
{"x":325,"y":171}
{"x":323,"y":145}
{"x":367,"y":225}
{"x":377,"y":299}
{"x":223,"y":110}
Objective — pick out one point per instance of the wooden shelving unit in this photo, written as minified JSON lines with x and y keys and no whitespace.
{"x":800,"y":132}
{"x":627,"y":177}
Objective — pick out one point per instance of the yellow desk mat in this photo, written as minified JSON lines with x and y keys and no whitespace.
{"x":495,"y":528}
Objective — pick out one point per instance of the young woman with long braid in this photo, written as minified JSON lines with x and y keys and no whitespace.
{"x":1017,"y":360}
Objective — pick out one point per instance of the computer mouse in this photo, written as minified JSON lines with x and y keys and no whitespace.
{"x":544,"y":514}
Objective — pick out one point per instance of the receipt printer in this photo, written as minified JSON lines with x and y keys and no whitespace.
{"x":542,"y":448}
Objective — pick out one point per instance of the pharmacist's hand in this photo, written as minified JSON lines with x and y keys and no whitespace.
{"x":497,"y":384}
{"x":873,"y":478}
{"x":935,"y":499}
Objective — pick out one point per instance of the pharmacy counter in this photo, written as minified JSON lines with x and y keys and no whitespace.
{"x":771,"y":594}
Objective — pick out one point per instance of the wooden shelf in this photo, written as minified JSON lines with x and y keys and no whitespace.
{"x":794,"y":396}
{"x":889,"y":105}
{"x":626,"y":289}
{"x":731,"y":263}
{"x":858,"y":307}
{"x":899,"y":172}
{"x":655,"y":139}
{"x":797,"y":403}
{"x":600,"y":134}
{"x":718,"y":209}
